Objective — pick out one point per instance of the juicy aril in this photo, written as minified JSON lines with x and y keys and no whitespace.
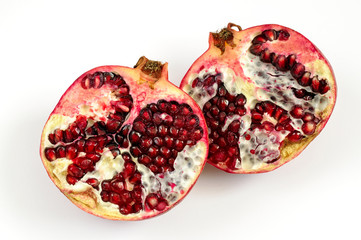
{"x":125,"y":143}
{"x":266,"y":92}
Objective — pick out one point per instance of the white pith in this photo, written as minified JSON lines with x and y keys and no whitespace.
{"x":172,"y":185}
{"x":259,"y":76}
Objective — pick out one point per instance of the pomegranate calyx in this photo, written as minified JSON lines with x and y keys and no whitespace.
{"x":151,"y":68}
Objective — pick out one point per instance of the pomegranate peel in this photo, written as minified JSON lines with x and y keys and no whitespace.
{"x":102,"y":145}
{"x":274,"y":86}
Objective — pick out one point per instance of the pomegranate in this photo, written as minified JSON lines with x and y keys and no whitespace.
{"x":266,"y":92}
{"x":123,"y":143}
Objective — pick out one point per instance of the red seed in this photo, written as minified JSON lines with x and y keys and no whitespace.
{"x":283,"y":35}
{"x":281,"y":63}
{"x":256,"y":49}
{"x":179,"y":145}
{"x":234,"y":126}
{"x":151,"y":200}
{"x":93,"y":156}
{"x":50,"y":154}
{"x":305,"y":80}
{"x":297,"y":111}
{"x":71,"y":152}
{"x":71,"y":179}
{"x":265,"y":56}
{"x":58,"y":135}
{"x":153,"y":151}
{"x":298,"y":70}
{"x":315,"y":84}
{"x":162,"y":130}
{"x":309,"y":128}
{"x":144,"y":159}
{"x":134,"y":137}
{"x":259,"y":39}
{"x":93,"y":182}
{"x":75,"y":171}
{"x":270,"y":34}
{"x":139,"y":127}
{"x":295,"y":136}
{"x":308,"y":117}
{"x":219,"y":156}
{"x":291,"y":61}
{"x":60,"y":152}
{"x":115,"y":198}
{"x":117,"y":186}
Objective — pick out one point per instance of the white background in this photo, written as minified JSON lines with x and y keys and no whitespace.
{"x":46,"y":45}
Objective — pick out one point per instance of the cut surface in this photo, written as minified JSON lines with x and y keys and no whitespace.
{"x":265,"y":96}
{"x":125,"y":143}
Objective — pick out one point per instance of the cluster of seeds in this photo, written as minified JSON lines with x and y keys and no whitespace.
{"x":162,"y":130}
{"x":288,"y":63}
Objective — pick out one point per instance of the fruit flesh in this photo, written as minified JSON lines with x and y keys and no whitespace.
{"x":82,"y":181}
{"x":254,"y":66}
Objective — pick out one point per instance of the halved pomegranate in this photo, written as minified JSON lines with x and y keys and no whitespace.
{"x":266,"y":92}
{"x":125,"y":143}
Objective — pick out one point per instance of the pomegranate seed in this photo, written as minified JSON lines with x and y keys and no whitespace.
{"x":75,"y":171}
{"x":162,"y":130}
{"x":153,"y":168}
{"x":151,"y":201}
{"x":179,"y":145}
{"x":305,"y":80}
{"x":298,"y":70}
{"x":309,"y":128}
{"x":50,"y":154}
{"x":315,"y":84}
{"x":232,"y":138}
{"x":145,"y":143}
{"x":270,"y":34}
{"x":278,"y":112}
{"x":71,"y":179}
{"x":136,"y":178}
{"x":139,"y":127}
{"x":80,"y":145}
{"x":117,"y":186}
{"x":93,"y":156}
{"x":297,"y":111}
{"x":256,"y":49}
{"x":115,"y":198}
{"x":160,"y":161}
{"x":93,"y":182}
{"x":197,"y":134}
{"x":166,"y":152}
{"x":222,"y":142}
{"x":265,"y":56}
{"x":146,"y":114}
{"x":136,"y":152}
{"x":58,"y":135}
{"x":219,"y":156}
{"x":295,"y":136}
{"x":153,"y":151}
{"x":152,"y":131}
{"x":134,"y":137}
{"x":259,"y":39}
{"x":213,"y":148}
{"x":240,"y":111}
{"x":308,"y":117}
{"x":168,"y":120}
{"x":71,"y":152}
{"x":90,"y":145}
{"x":159,"y":141}
{"x":144,"y":159}
{"x":113,"y":126}
{"x":60,"y":152}
{"x":106,"y":185}
{"x":283,"y":35}
{"x":281,"y":63}
{"x":125,"y":209}
{"x":161,"y":206}
{"x":234,"y":126}
{"x":51,"y":138}
{"x":168,"y":141}
{"x":123,"y":90}
{"x":256,"y":116}
{"x":323,"y":88}
{"x":68,"y":136}
{"x":137,"y":207}
{"x":184,"y":109}
{"x":291,"y":60}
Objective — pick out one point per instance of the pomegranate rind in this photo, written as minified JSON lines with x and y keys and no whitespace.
{"x":145,"y":89}
{"x":307,"y":53}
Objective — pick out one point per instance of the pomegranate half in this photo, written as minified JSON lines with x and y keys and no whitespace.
{"x":125,"y":143}
{"x":266,"y":92}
